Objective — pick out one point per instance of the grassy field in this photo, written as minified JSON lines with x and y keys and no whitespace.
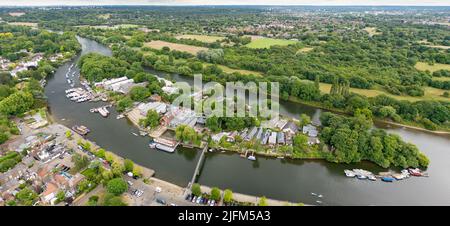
{"x":104,"y":16}
{"x":422,"y":66}
{"x":372,"y":31}
{"x":231,"y":70}
{"x":262,"y":43}
{"x":304,"y":50}
{"x":441,"y":78}
{"x":201,"y":38}
{"x":174,"y":46}
{"x":111,"y":27}
{"x":430,"y":93}
{"x":16,"y":14}
{"x":28,"y":24}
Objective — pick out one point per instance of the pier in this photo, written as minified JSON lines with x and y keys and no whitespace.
{"x":197,"y":169}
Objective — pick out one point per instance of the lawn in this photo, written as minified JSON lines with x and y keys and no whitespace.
{"x":231,"y":70}
{"x":372,"y":31}
{"x":201,"y":38}
{"x":430,"y":93}
{"x":304,"y":50}
{"x":422,"y":66}
{"x":28,"y":24}
{"x":262,"y":43}
{"x":174,"y":46}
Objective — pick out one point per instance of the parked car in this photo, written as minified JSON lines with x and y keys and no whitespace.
{"x":194,"y":199}
{"x":188,"y":197}
{"x":161,"y":201}
{"x":130,"y":183}
{"x":158,"y":189}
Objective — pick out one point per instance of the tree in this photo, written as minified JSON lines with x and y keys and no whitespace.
{"x":196,"y":190}
{"x":68,"y":134}
{"x":139,"y":93}
{"x":26,"y":197}
{"x":227,"y":196}
{"x":215,"y":194}
{"x":262,"y":201}
{"x":16,"y":103}
{"x":304,"y":119}
{"x":124,"y":103}
{"x":151,"y":120}
{"x":128,"y":165}
{"x":117,"y":186}
{"x":300,"y":142}
{"x":113,"y":200}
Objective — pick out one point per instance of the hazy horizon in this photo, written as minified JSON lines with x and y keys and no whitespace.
{"x":224,"y":2}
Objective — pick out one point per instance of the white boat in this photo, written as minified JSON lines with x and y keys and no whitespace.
{"x":251,"y":157}
{"x":349,"y":173}
{"x":371,"y":177}
{"x":120,"y":116}
{"x":152,"y":145}
{"x":165,"y":148}
{"x":69,"y":81}
{"x":135,"y":134}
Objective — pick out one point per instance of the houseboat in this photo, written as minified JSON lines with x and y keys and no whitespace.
{"x":82,"y":130}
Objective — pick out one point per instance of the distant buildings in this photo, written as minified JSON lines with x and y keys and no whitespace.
{"x":120,"y":85}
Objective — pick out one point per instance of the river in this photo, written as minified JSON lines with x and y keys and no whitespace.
{"x":291,"y":180}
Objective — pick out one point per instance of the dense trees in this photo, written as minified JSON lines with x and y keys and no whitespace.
{"x":187,"y":134}
{"x":151,"y":120}
{"x":351,"y":140}
{"x":16,"y":103}
{"x":117,"y":186}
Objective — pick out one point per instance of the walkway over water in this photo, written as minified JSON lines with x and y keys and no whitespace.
{"x":197,"y":168}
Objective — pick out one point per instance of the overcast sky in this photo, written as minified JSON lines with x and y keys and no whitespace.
{"x":222,"y":2}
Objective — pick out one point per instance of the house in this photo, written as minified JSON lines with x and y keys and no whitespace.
{"x":259,"y":134}
{"x":50,"y":192}
{"x":217,"y":137}
{"x":159,"y":107}
{"x":155,"y":98}
{"x":310,"y":130}
{"x":280,"y":138}
{"x":291,"y":128}
{"x":273,"y":138}
{"x":251,"y":134}
{"x":231,"y":137}
{"x":265,"y":137}
{"x":169,"y":90}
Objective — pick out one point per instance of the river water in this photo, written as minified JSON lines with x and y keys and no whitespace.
{"x":291,"y":180}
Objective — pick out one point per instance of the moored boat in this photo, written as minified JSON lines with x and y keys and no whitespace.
{"x":387,"y":179}
{"x":349,"y":173}
{"x":82,"y":130}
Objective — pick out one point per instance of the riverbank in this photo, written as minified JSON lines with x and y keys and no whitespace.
{"x":377,"y":120}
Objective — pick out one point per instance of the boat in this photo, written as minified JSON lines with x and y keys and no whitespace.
{"x":143,"y":133}
{"x":165,"y":148}
{"x":318,"y":201}
{"x":371,"y":177}
{"x":134,"y":134}
{"x":120,"y":116}
{"x":103,"y":112}
{"x":92,"y":110}
{"x":251,"y":157}
{"x":82,"y":130}
{"x":387,"y":179}
{"x":314,"y":194}
{"x":415,"y":172}
{"x":152,"y":145}
{"x":361,"y":176}
{"x":320,"y":196}
{"x":104,"y":99}
{"x":398,"y":176}
{"x":349,"y":173}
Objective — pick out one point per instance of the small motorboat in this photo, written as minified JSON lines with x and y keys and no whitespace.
{"x":314,"y":194}
{"x":361,"y":177}
{"x":371,"y":177}
{"x":135,"y":134}
{"x":120,"y":116}
{"x":318,"y":201}
{"x":349,"y":173}
{"x":387,"y":179}
{"x":251,"y":157}
{"x":152,"y":145}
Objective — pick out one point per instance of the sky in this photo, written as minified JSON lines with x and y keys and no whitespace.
{"x":223,"y":2}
